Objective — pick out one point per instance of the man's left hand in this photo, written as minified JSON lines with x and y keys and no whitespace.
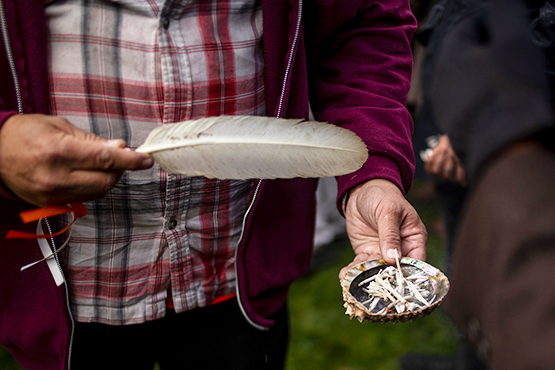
{"x":381,"y":222}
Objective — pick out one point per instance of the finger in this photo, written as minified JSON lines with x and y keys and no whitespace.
{"x":417,"y":254}
{"x":415,"y":245}
{"x":82,"y":136}
{"x":100,"y":155}
{"x":91,"y":152}
{"x":116,"y":143}
{"x":449,"y":170}
{"x":390,"y":237}
{"x":78,"y":186}
{"x":414,"y":237}
{"x":90,"y":183}
{"x":360,"y":258}
{"x":431,"y":162}
{"x":436,"y":164}
{"x":64,"y":126}
{"x":460,"y":176}
{"x":345,"y":269}
{"x":426,"y":154}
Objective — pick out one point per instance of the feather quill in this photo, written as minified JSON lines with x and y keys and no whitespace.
{"x":252,"y":147}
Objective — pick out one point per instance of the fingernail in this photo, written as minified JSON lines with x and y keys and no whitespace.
{"x":392,"y":253}
{"x":148,"y":162}
{"x":114,"y":142}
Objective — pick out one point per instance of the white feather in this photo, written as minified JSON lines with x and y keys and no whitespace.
{"x":251,"y":147}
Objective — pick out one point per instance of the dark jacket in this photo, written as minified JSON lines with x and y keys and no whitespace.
{"x":485,"y":94}
{"x":493,"y":87}
{"x":354,"y":61}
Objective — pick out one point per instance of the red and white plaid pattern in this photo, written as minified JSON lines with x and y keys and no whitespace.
{"x":119,"y":69}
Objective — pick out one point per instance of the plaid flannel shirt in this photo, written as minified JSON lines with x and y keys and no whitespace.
{"x":119,"y":69}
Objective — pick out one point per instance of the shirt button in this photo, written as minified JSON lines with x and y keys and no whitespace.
{"x":165,"y":23}
{"x":172,"y":224}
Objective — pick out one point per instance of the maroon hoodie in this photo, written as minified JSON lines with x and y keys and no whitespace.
{"x":352,"y":59}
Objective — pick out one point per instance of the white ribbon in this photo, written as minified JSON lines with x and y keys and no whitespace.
{"x":55,"y":270}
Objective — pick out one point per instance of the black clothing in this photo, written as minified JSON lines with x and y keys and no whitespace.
{"x":490,"y":86}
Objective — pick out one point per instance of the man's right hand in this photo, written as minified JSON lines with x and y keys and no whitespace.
{"x":45,"y":160}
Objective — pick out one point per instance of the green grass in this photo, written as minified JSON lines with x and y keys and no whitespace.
{"x":7,"y":362}
{"x":323,"y":337}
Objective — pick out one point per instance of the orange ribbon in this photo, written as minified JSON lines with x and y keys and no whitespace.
{"x":78,"y":210}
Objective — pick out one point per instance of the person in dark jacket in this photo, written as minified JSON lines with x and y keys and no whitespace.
{"x":493,"y":96}
{"x":437,"y":162}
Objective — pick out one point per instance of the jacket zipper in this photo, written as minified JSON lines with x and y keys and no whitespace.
{"x":66,"y":294}
{"x":9,"y":54}
{"x":15,"y":78}
{"x":290,"y":61}
{"x":237,"y":290}
{"x":279,"y":114}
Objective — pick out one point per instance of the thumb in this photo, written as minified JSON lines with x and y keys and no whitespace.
{"x":390,"y":237}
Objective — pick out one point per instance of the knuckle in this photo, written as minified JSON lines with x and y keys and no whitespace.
{"x":391,"y":210}
{"x":48,"y":152}
{"x":391,"y":237}
{"x":48,"y":184}
{"x":105,"y":160}
{"x":108,"y":181}
{"x":89,"y":136}
{"x":61,"y":120}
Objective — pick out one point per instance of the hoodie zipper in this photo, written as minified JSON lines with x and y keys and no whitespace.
{"x":67,"y":295}
{"x":290,"y":61}
{"x":279,"y":115}
{"x":15,"y":78}
{"x":237,"y":290}
{"x":9,"y":54}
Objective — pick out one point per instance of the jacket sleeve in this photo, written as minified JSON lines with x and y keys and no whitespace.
{"x":4,"y":192}
{"x":25,"y":33}
{"x":359,"y":66}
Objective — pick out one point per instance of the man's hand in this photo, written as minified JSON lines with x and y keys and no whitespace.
{"x":381,"y":221}
{"x":45,"y":160}
{"x":444,"y":164}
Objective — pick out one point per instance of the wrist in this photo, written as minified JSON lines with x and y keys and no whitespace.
{"x":379,"y":182}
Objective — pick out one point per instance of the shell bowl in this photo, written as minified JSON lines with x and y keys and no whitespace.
{"x":356,"y":299}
